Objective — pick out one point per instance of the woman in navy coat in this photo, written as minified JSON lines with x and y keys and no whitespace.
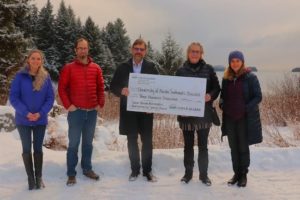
{"x":240,"y":98}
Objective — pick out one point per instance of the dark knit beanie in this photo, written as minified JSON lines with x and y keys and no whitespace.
{"x":236,"y":54}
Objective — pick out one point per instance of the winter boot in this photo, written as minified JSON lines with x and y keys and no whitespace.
{"x":188,"y":162}
{"x":71,"y":181}
{"x":242,"y":182}
{"x":150,"y":177}
{"x":233,"y":180}
{"x":38,"y":165}
{"x":27,"y":159}
{"x":92,"y":175}
{"x":188,"y":175}
{"x":205,"y":180}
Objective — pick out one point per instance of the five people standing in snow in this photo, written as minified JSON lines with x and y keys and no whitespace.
{"x":32,"y":97}
{"x":81,"y":91}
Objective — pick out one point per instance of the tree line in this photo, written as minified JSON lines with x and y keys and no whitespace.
{"x":23,"y":27}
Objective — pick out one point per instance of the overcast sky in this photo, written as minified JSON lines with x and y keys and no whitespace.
{"x":267,"y":31}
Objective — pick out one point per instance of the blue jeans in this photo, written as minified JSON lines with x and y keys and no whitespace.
{"x":82,"y":123}
{"x":26,"y":133}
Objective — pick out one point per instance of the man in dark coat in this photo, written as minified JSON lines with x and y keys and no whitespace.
{"x":134,"y":123}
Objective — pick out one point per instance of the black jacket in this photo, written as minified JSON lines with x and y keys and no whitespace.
{"x":202,"y":70}
{"x":120,"y":80}
{"x":253,"y":96}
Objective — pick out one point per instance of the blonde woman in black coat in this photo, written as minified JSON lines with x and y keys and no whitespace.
{"x":195,"y":66}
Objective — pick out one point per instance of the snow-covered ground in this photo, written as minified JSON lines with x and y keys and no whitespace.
{"x":274,"y":172}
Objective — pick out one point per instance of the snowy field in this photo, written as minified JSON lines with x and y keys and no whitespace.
{"x":274,"y":172}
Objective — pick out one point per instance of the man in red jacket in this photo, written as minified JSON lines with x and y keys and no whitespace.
{"x":81,"y":90}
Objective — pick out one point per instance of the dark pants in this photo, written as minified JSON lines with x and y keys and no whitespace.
{"x":202,"y":151}
{"x":147,"y":148}
{"x":237,"y":138}
{"x":26,"y":133}
{"x":81,"y":124}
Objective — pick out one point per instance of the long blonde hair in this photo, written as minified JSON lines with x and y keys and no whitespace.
{"x":42,"y":73}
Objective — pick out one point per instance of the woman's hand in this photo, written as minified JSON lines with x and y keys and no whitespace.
{"x":33,"y":117}
{"x":125,"y":92}
{"x":207,"y":97}
{"x":30,"y":116}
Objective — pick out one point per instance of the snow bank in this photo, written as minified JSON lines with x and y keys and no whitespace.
{"x":7,"y":118}
{"x":107,"y":132}
{"x":106,"y":135}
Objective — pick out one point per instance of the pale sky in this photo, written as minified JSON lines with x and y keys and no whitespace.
{"x":266,"y":31}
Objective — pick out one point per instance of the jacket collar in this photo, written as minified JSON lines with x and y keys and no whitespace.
{"x":130,"y":65}
{"x":24,"y":70}
{"x":90,"y":60}
{"x":245,"y":75}
{"x":187,"y":65}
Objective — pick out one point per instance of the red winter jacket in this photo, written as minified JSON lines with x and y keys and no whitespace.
{"x":81,"y":85}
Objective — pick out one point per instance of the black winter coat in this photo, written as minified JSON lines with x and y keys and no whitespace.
{"x":128,"y":124}
{"x":206,"y":71}
{"x":253,"y":96}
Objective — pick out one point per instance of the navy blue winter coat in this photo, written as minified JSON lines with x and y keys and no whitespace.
{"x":253,"y":96}
{"x":25,"y":100}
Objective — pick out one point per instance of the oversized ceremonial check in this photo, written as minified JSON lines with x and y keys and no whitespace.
{"x":166,"y":94}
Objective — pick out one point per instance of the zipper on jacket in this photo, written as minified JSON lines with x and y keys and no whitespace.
{"x":85,"y":79}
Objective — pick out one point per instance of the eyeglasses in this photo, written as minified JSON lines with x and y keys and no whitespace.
{"x":139,"y":49}
{"x":195,"y":52}
{"x":82,"y":49}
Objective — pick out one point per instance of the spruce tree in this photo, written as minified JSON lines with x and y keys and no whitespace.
{"x":150,"y":52}
{"x":28,"y":25}
{"x":115,"y":37}
{"x":64,"y":36}
{"x":13,"y":43}
{"x":171,"y":57}
{"x":44,"y":38}
{"x":78,"y":29}
{"x":98,"y":50}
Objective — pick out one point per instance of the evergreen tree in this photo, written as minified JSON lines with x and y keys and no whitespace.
{"x":98,"y":50}
{"x":45,"y":27}
{"x":108,"y":66}
{"x":78,"y":28}
{"x":28,"y":25}
{"x":115,"y":37}
{"x":170,"y":58}
{"x":44,"y":38}
{"x":92,"y":33}
{"x":150,"y":52}
{"x":64,"y":35}
{"x":13,"y":43}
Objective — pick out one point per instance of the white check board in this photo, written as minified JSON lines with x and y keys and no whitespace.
{"x":166,"y":94}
